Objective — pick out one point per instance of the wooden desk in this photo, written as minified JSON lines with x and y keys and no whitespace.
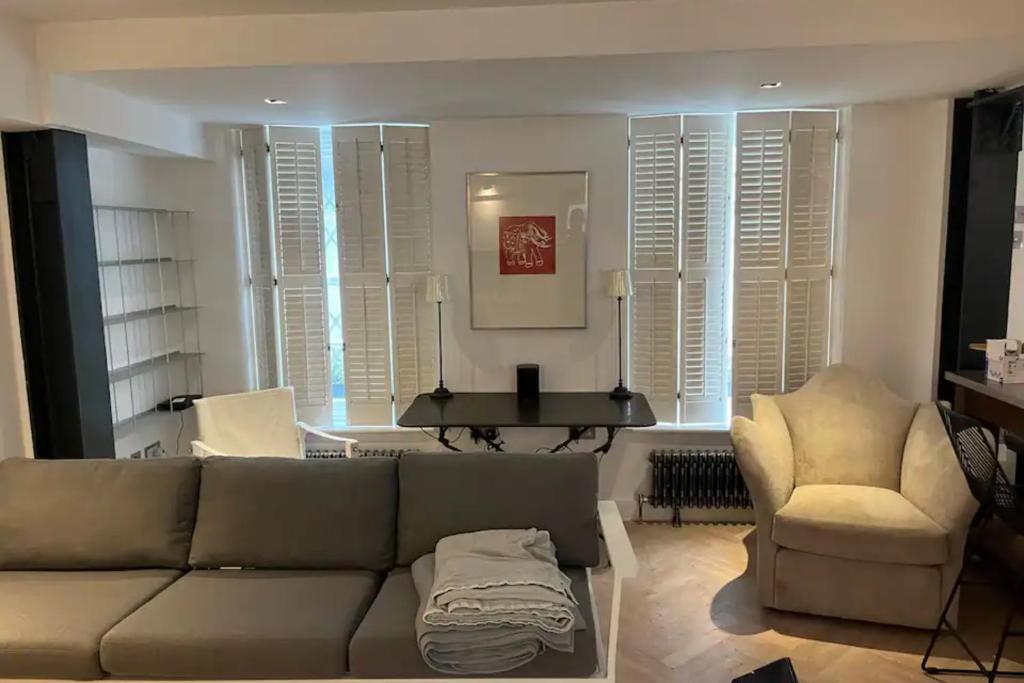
{"x":993,"y":403}
{"x":484,"y":413}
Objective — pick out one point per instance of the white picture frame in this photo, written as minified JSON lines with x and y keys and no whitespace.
{"x":527,"y":249}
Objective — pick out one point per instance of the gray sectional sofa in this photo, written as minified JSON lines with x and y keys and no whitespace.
{"x":261,"y":567}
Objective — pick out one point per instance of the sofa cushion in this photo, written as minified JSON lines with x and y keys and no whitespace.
{"x":96,"y":514}
{"x":279,"y":513}
{"x":384,"y":645}
{"x":847,"y":428}
{"x":238,"y":623}
{"x":442,"y":494}
{"x":859,"y":523}
{"x":51,"y":623}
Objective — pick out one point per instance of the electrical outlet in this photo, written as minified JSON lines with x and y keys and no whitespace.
{"x":153,"y":450}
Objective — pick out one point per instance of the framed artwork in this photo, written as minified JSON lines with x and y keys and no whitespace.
{"x":527,"y":249}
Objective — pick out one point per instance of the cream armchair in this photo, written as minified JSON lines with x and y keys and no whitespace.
{"x":862,"y":511}
{"x":256,"y":423}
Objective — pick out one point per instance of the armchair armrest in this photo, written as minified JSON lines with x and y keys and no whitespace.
{"x":305,"y":429}
{"x":201,"y":450}
{"x":764,"y":453}
{"x":931,"y":477}
{"x":620,"y":550}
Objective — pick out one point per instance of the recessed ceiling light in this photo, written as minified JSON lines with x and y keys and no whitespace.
{"x":771,"y":85}
{"x":274,"y":100}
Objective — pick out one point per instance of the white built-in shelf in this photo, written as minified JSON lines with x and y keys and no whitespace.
{"x":144,"y":257}
{"x":139,"y":367}
{"x":147,"y":313}
{"x":143,"y":261}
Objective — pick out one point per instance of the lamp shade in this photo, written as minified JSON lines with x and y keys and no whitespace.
{"x":437,"y":288}
{"x":620,"y":283}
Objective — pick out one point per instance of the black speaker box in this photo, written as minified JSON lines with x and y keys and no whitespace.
{"x":528,"y":381}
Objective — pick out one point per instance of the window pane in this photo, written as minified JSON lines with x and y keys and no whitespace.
{"x":338,"y":417}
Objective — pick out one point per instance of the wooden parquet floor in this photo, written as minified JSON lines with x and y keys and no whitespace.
{"x":692,"y":615}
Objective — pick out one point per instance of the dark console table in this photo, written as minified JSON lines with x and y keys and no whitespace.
{"x":485,"y":414}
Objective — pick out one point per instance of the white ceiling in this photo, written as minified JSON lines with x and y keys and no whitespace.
{"x":640,"y":84}
{"x":81,"y":10}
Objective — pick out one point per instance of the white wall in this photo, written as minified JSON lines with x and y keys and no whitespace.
{"x":1015,"y":319}
{"x":19,"y":104}
{"x":892,"y":241}
{"x":206,"y":188}
{"x":571,"y":360}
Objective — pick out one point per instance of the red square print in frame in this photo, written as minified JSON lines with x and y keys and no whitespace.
{"x":526,"y":245}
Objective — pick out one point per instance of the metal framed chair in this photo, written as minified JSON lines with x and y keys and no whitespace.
{"x":999,"y":505}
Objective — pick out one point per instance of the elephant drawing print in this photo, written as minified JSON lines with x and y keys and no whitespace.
{"x":526,"y":245}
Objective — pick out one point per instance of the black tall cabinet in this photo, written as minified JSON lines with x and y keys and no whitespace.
{"x":982,"y":193}
{"x":58,"y":289}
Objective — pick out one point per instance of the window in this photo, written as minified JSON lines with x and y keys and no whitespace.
{"x":731,"y":253}
{"x":339,"y":242}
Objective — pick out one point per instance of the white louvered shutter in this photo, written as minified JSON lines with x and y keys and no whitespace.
{"x":654,"y":213}
{"x":762,"y":158}
{"x":259,"y":240}
{"x":302,"y":287}
{"x":706,"y":210}
{"x":812,"y":170}
{"x":359,"y":192}
{"x":414,"y":320}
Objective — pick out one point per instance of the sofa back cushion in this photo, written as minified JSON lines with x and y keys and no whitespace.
{"x":452,"y":493}
{"x":847,"y":428}
{"x":282,"y":513}
{"x":96,"y":514}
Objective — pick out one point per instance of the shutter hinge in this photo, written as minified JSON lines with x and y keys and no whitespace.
{"x":629,"y":141}
{"x":679,"y":395}
{"x":789,"y":136}
{"x":343,"y":347}
{"x":250,"y":280}
{"x":275,"y":281}
{"x":680,"y":275}
{"x":392,"y":398}
{"x":682,"y":139}
{"x":387,"y":278}
{"x":241,"y":152}
{"x":832,"y":270}
{"x":837,"y":135}
{"x":268,"y":147}
{"x":382,"y":149}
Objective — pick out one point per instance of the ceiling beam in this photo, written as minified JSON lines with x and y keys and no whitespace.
{"x":554,"y":30}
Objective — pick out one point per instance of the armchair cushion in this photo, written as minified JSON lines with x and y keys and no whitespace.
{"x":859,"y":523}
{"x":847,"y":428}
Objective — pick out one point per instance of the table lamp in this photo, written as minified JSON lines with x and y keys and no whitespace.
{"x":437,"y":293}
{"x":620,"y":286}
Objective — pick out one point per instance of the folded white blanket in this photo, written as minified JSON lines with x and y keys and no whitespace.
{"x":492,"y":601}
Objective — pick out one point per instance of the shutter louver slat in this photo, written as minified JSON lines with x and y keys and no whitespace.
{"x":359,"y":191}
{"x":706,"y":209}
{"x":811,"y":198}
{"x":414,"y":323}
{"x":302,"y":287}
{"x":654,"y":209}
{"x":256,"y":189}
{"x":760,"y":237}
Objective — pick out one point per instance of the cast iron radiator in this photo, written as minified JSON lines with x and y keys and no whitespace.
{"x":333,"y":453}
{"x":694,"y":478}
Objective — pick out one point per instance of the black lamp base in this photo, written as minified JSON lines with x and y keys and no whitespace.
{"x":620,"y":393}
{"x":441,"y":393}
